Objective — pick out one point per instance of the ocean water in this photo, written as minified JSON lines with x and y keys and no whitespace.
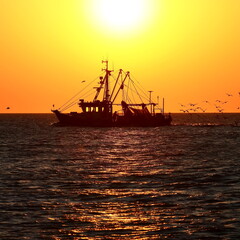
{"x":174,"y":182}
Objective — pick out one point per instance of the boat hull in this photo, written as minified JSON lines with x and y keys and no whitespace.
{"x":91,"y":120}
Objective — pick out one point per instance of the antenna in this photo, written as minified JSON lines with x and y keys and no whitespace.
{"x":163,"y":103}
{"x":150,"y":100}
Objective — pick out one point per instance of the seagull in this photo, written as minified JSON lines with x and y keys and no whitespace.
{"x":204,"y":110}
{"x":192,"y":104}
{"x":7,"y":107}
{"x":229,"y":95}
{"x":83,"y":81}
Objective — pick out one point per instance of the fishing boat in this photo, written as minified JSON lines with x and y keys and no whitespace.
{"x":107,"y":112}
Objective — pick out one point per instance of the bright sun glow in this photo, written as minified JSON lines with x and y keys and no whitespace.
{"x":120,"y":15}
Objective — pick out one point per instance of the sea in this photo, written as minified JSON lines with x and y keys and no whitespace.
{"x":173,"y":182}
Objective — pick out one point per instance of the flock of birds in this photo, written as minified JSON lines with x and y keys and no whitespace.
{"x":194,"y":112}
{"x":218,"y":105}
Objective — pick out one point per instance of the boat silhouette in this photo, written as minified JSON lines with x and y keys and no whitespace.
{"x":101,"y":113}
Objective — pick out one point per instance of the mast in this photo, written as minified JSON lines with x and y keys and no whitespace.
{"x":106,"y":96}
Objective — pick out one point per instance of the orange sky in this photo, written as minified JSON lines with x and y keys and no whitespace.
{"x":185,"y":50}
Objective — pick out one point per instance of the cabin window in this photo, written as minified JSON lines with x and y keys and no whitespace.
{"x":87,"y":109}
{"x":96,"y":109}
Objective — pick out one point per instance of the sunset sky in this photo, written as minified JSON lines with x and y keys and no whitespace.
{"x":187,"y":51}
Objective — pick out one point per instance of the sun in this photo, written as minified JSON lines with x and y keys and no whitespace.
{"x":120,"y":15}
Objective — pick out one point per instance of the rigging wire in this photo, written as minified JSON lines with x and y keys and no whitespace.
{"x":136,"y":90}
{"x":78,"y":93}
{"x":76,"y":101}
{"x":132,"y":92}
{"x":144,"y":92}
{"x":68,"y":106}
{"x":139,"y":88}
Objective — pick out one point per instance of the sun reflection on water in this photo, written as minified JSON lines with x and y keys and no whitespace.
{"x":118,"y":192}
